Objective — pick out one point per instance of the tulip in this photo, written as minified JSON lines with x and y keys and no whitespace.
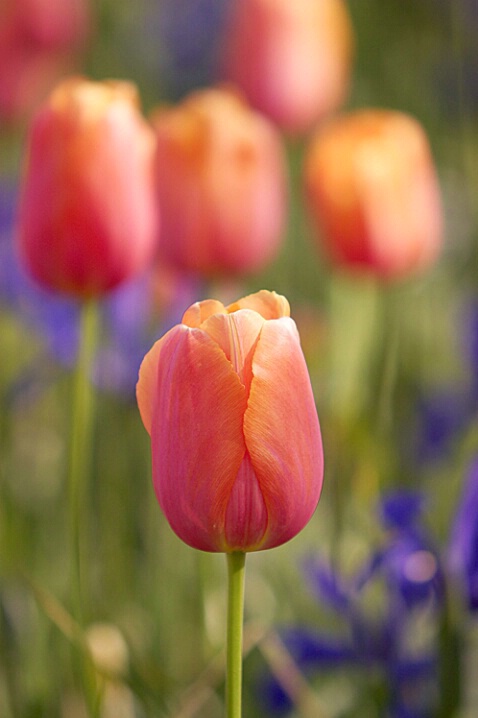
{"x":39,"y":42}
{"x":236,"y":444}
{"x":291,"y":59}
{"x":221,"y":184}
{"x":88,"y":216}
{"x":373,"y":193}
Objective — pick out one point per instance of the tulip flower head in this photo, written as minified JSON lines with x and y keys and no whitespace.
{"x":221,"y":185}
{"x":290,"y":58}
{"x":236,"y":444}
{"x":373,"y":193}
{"x":88,"y":216}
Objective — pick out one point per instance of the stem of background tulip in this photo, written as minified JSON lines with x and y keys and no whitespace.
{"x":80,"y":444}
{"x":235,"y":616}
{"x":80,"y":447}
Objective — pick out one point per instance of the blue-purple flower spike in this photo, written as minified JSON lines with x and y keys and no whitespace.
{"x":463,"y":549}
{"x":407,"y":570}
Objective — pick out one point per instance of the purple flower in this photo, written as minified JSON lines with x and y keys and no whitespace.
{"x":187,"y":34}
{"x":401,"y":510}
{"x":463,"y":547}
{"x":327,"y":584}
{"x":381,"y":634}
{"x":443,"y":415}
{"x":310,"y":650}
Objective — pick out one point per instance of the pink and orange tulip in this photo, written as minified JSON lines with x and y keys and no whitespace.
{"x":373,"y":193}
{"x":221,"y":184}
{"x":236,"y":443}
{"x":88,"y":218}
{"x":291,"y":58}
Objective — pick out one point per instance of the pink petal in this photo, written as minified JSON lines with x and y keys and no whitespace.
{"x":147,"y":381}
{"x":197,"y":438}
{"x":246,"y":515}
{"x":237,"y":335}
{"x":269,"y":305}
{"x":200,"y":311}
{"x":282,"y":432}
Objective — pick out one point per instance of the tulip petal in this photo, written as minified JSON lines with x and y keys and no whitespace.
{"x":200,"y":311}
{"x":269,"y":305}
{"x":237,"y":335}
{"x":147,"y":381}
{"x":197,"y":438}
{"x":282,"y":432}
{"x":246,"y":515}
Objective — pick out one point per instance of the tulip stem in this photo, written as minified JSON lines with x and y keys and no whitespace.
{"x":80,"y":447}
{"x":235,"y":611}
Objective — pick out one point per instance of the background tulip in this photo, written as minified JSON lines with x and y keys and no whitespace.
{"x":373,"y":193}
{"x":39,"y":41}
{"x":236,"y":445}
{"x":291,"y":59}
{"x":221,"y":185}
{"x":88,"y":217}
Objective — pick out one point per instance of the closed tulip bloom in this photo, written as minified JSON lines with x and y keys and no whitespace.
{"x":221,"y":184}
{"x":88,"y":217}
{"x":291,"y":58}
{"x":373,"y":193}
{"x":236,"y":444}
{"x":54,"y":24}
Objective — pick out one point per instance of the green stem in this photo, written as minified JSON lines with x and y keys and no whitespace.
{"x":80,"y":441}
{"x":235,"y":611}
{"x":79,"y":459}
{"x":451,"y":644}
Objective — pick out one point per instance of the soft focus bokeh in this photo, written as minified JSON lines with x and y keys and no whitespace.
{"x":371,"y":612}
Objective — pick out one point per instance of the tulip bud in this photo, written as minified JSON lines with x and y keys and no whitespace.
{"x":221,"y":184}
{"x":55,"y":24}
{"x":236,"y":444}
{"x":88,"y":217}
{"x":291,"y":58}
{"x":373,"y":193}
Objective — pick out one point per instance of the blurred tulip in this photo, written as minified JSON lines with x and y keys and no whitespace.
{"x":291,"y":59}
{"x":373,"y":193}
{"x":88,"y":218}
{"x":236,"y":445}
{"x":221,"y":184}
{"x":39,"y":40}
